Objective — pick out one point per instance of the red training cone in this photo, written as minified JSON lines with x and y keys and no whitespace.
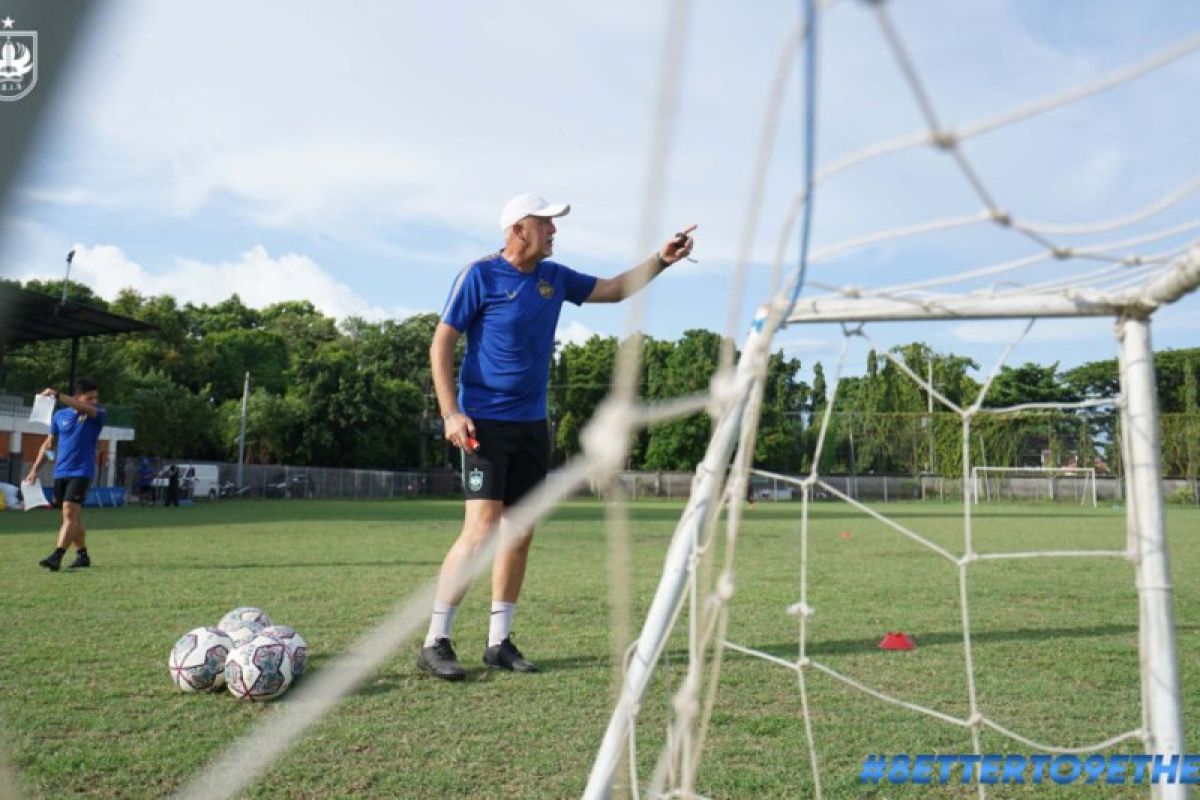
{"x":897,"y":640}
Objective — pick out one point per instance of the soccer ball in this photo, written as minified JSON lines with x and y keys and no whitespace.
{"x":197,"y":660}
{"x":259,"y":670}
{"x":297,"y":647}
{"x":240,"y":616}
{"x":244,"y":632}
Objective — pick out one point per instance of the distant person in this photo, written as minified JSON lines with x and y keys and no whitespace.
{"x":173,"y":485}
{"x":145,"y":481}
{"x":74,"y":432}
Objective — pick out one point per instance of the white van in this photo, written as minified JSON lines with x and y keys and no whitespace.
{"x":195,"y":480}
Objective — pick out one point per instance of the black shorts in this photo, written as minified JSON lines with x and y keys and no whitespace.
{"x":70,"y":490}
{"x":511,"y":459}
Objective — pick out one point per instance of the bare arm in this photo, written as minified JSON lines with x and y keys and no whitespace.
{"x":631,"y":281}
{"x":457,"y":426}
{"x":67,"y":400}
{"x":47,"y":445}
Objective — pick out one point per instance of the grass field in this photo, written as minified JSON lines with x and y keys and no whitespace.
{"x":87,"y":708}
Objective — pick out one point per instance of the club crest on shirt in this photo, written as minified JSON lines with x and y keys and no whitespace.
{"x":545,"y":289}
{"x":475,"y":480}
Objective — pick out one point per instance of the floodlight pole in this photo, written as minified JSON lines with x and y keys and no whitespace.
{"x":242,"y":432}
{"x":1143,"y":478}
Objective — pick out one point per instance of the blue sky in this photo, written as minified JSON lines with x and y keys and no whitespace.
{"x":357,"y":156}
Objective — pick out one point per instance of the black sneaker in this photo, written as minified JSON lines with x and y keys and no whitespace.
{"x":506,"y":656}
{"x":81,"y":560}
{"x":52,"y":562}
{"x":441,"y":661}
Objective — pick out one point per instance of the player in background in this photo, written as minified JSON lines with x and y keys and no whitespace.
{"x":508,"y":305}
{"x":74,"y":432}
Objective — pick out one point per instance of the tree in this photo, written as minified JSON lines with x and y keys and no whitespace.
{"x":301,"y":326}
{"x":781,"y":422}
{"x":680,"y":444}
{"x":173,"y":422}
{"x":1029,"y":383}
{"x":226,"y":356}
{"x":228,"y":315}
{"x":353,"y":416}
{"x":582,"y":376}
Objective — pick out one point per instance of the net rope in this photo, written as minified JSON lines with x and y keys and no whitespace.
{"x":733,"y":403}
{"x":803,"y":608}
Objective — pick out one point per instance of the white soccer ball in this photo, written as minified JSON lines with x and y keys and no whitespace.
{"x":197,"y":660}
{"x":242,"y":615}
{"x":244,"y":632}
{"x":259,"y":670}
{"x":297,"y":647}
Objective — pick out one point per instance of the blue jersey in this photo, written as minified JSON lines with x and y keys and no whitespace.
{"x":509,"y":317}
{"x":77,"y":435}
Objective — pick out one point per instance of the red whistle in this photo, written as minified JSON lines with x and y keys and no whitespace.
{"x":472,"y":444}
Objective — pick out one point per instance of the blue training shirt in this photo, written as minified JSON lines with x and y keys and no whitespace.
{"x":77,"y":436}
{"x":509,"y":317}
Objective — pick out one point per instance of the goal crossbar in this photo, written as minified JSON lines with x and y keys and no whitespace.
{"x":1171,"y":283}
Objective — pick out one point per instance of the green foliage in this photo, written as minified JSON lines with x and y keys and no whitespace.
{"x":226,"y":356}
{"x":581,"y":379}
{"x":361,"y":395}
{"x":1028,"y":383}
{"x":173,"y":422}
{"x":689,"y":367}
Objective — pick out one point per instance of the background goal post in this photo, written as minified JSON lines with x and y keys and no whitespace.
{"x":983,"y":489}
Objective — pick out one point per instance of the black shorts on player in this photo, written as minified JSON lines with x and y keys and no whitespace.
{"x":511,"y":459}
{"x":70,"y":490}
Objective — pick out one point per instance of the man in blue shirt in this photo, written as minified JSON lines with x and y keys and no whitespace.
{"x":74,"y":432}
{"x":508,"y":305}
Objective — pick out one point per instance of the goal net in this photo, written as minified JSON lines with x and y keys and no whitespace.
{"x":1008,"y":484}
{"x":1069,"y":271}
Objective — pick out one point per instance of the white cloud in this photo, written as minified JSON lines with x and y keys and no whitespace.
{"x":574,"y":332}
{"x":404,"y":142}
{"x":256,"y":276}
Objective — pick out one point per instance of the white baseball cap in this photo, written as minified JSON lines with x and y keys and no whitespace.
{"x":530,"y":205}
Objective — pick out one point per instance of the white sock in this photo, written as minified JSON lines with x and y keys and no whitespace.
{"x":501,"y":622}
{"x":440,"y":622}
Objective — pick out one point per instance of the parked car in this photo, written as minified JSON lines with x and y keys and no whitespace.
{"x":782,"y":493}
{"x":294,"y":485}
{"x":229,"y":489}
{"x":195,"y":480}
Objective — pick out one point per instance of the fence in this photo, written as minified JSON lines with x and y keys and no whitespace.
{"x":897,"y":488}
{"x":290,"y":482}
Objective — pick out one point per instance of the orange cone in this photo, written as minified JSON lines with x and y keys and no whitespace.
{"x":897,"y":640}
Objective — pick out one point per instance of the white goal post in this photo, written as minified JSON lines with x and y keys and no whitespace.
{"x":981,"y":488}
{"x":679,"y":589}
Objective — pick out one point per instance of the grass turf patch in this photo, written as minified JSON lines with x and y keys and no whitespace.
{"x":88,"y":709}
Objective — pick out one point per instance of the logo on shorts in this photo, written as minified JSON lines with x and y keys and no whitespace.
{"x":18,"y":61}
{"x":545,"y":290}
{"x":475,"y":480}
